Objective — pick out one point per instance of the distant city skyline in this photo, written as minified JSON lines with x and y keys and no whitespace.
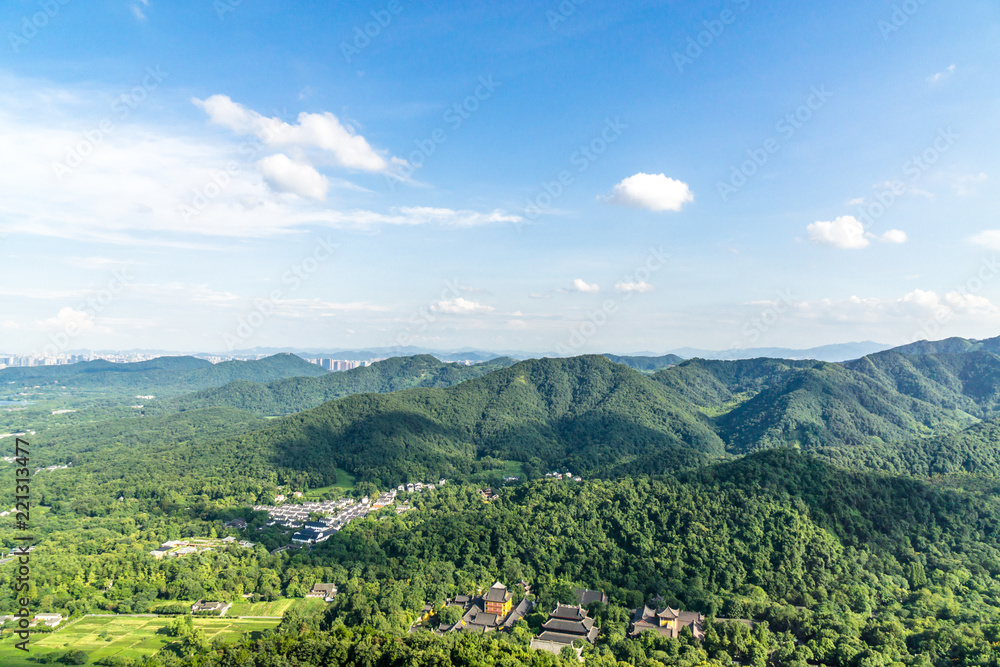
{"x":620,"y":177}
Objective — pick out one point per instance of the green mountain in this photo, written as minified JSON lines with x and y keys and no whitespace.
{"x":296,"y":394}
{"x":888,"y":397}
{"x":646,"y":364}
{"x":831,"y":405}
{"x":968,"y":381}
{"x":951,"y":346}
{"x":173,"y":374}
{"x":892,"y":412}
{"x":585,"y":413}
{"x":716,"y":385}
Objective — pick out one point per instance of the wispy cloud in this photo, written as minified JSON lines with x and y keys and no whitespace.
{"x":137,"y":9}
{"x":641,"y":286}
{"x":460,"y":306}
{"x":320,"y":135}
{"x":150,"y":184}
{"x":941,"y":76}
{"x":989,"y":238}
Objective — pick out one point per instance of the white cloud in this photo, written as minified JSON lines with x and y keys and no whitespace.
{"x":857,"y":201}
{"x":411,"y":215}
{"x":641,"y":286}
{"x":844,"y":232}
{"x":580,"y":285}
{"x":460,"y":306}
{"x":941,"y":76}
{"x":922,"y":299}
{"x":322,"y":133}
{"x":970,"y":304}
{"x":69,"y":319}
{"x":964,"y":185}
{"x":654,"y":192}
{"x":415,"y":215}
{"x":903,"y":318}
{"x":848,"y":233}
{"x":147,"y":184}
{"x":988,"y":239}
{"x":951,"y":304}
{"x":285,"y":175}
{"x":137,"y":10}
{"x":894,"y":236}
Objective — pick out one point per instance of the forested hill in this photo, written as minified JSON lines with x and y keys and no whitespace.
{"x":302,"y":393}
{"x":172,"y":374}
{"x":912,"y":414}
{"x":584,"y":412}
{"x":951,"y":346}
{"x":598,"y":417}
{"x":646,"y":364}
{"x":973,"y":451}
{"x":888,"y":397}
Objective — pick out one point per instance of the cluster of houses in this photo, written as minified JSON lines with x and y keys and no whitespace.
{"x":418,"y":487}
{"x":293,"y":516}
{"x":178,"y":548}
{"x":52,"y":468}
{"x":321,"y":530}
{"x":567,"y":475}
{"x":384,"y":500}
{"x":338,"y":512}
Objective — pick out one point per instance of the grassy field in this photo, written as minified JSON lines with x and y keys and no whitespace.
{"x":276,"y":608}
{"x":510,"y":469}
{"x":126,"y":636}
{"x":345,"y":483}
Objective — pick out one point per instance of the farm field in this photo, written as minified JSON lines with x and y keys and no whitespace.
{"x":126,"y":636}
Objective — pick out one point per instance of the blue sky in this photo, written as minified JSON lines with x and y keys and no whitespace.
{"x":550,"y":177}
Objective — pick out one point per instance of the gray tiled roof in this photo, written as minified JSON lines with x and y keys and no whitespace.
{"x":558,"y":638}
{"x":568,"y":612}
{"x":570,"y":627}
{"x":497,"y":593}
{"x":585,"y":596}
